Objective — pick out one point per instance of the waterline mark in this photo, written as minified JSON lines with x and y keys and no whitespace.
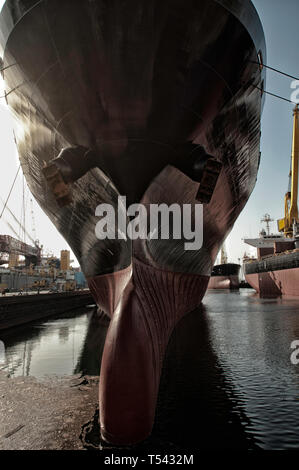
{"x":151,"y":222}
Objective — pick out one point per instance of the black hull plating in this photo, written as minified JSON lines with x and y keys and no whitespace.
{"x":143,"y":83}
{"x":227,"y":269}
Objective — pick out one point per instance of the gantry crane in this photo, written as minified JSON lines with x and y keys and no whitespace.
{"x":286,"y":225}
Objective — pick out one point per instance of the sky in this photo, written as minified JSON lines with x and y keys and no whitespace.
{"x":280,"y":22}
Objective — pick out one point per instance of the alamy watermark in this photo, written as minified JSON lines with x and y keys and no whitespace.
{"x":151,"y":222}
{"x":295,"y":353}
{"x":295,"y":93}
{"x":2,"y":353}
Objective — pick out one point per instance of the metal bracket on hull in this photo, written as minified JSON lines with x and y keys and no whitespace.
{"x":70,"y":165}
{"x":204,"y":169}
{"x":209,"y":180}
{"x":60,"y":190}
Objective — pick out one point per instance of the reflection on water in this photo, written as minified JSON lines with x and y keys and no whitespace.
{"x":252,"y":340}
{"x":54,"y":346}
{"x":227,"y":381}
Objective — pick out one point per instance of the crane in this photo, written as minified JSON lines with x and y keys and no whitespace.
{"x":33,"y":219}
{"x":19,"y":224}
{"x":286,"y":224}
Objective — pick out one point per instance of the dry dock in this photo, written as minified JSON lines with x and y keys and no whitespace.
{"x":17,"y":310}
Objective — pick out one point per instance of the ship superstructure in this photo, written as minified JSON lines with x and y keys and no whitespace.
{"x":275,"y":270}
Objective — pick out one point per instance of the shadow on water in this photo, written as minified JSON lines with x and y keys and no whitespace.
{"x":196,"y":406}
{"x":89,"y":362}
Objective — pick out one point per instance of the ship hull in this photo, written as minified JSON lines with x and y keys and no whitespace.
{"x":275,"y":275}
{"x":224,"y":282}
{"x":147,"y":91}
{"x":270,"y":281}
{"x":225,"y":276}
{"x":275,"y":283}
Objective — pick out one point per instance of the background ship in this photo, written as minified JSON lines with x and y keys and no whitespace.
{"x":225,"y":275}
{"x":275,"y":272}
{"x":157,"y":101}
